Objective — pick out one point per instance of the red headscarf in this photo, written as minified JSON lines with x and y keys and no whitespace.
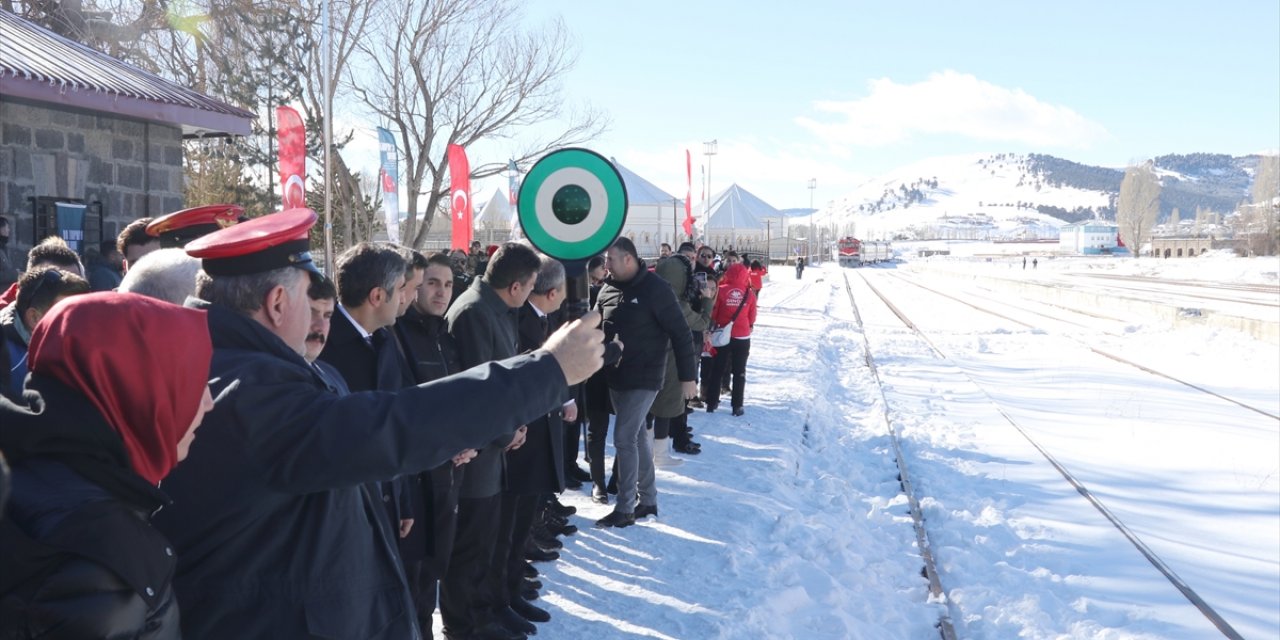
{"x":144,"y":363}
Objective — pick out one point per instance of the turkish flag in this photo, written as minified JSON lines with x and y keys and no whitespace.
{"x":293,"y":157}
{"x":688,"y":194}
{"x":460,"y":196}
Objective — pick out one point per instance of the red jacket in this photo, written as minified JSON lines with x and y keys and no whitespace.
{"x":733,"y":292}
{"x":757,"y":278}
{"x":9,"y":296}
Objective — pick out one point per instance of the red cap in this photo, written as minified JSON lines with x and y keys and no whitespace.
{"x":261,"y":244}
{"x":180,"y":227}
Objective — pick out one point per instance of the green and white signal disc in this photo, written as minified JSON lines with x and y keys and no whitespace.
{"x":572,"y":204}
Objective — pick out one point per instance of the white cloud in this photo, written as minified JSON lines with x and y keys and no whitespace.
{"x":951,"y":103}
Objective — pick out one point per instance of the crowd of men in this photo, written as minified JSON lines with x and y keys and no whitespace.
{"x":354,"y":473}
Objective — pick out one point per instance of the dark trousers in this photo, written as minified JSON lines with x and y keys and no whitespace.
{"x":731,"y":357}
{"x":679,"y":430}
{"x":707,"y":373}
{"x":425,"y":575}
{"x":661,"y":427}
{"x":515,"y":522}
{"x":527,"y":509}
{"x":465,"y":603}
{"x":572,"y":441}
{"x":597,"y":432}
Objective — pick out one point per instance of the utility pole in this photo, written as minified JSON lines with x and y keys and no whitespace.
{"x":708,"y":150}
{"x":328,"y":143}
{"x":813,"y":186}
{"x":768,"y":241}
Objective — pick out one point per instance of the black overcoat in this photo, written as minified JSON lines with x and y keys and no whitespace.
{"x":275,"y":537}
{"x":484,"y":328}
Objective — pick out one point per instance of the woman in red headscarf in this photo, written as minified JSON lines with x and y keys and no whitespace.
{"x":116,"y":390}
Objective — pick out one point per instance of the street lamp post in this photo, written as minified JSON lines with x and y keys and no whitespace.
{"x":708,"y":150}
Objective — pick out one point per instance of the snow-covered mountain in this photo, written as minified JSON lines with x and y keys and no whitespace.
{"x":1019,"y":196}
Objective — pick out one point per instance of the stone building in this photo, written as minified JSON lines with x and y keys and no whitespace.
{"x":88,"y":139}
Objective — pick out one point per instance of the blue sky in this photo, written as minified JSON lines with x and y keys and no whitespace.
{"x":844,"y":91}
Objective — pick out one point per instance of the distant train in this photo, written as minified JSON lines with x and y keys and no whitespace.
{"x":852,"y":252}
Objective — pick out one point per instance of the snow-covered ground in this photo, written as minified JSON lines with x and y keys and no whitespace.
{"x":791,"y":523}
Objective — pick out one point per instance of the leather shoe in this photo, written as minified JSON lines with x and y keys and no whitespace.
{"x":530,"y":571}
{"x":511,"y":619}
{"x":561,"y":529}
{"x":599,"y":497}
{"x":737,"y":411}
{"x":495,"y":630}
{"x":535,"y":554}
{"x":530,"y":612}
{"x":646,"y":510}
{"x":546,"y":541}
{"x":560,"y":509}
{"x":617,"y":519}
{"x":711,"y":407}
{"x":529,"y":593}
{"x":532,"y":583}
{"x":687,"y":448}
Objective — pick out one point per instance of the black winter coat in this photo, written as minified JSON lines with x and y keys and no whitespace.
{"x":644,"y":314}
{"x":80,"y":560}
{"x":275,"y":537}
{"x":484,"y":328}
{"x":537,"y":467}
{"x":434,"y":355}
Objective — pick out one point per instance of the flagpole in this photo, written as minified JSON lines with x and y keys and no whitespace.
{"x":328,"y":141}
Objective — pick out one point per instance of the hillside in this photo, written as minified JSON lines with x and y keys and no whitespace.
{"x":1009,"y":195}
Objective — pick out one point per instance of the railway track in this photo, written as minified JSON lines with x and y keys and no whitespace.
{"x":1189,"y":288}
{"x":922,"y":535}
{"x":936,"y":592}
{"x":1105,"y":354}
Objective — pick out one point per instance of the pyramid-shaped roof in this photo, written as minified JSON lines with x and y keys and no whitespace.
{"x":737,"y":208}
{"x":496,"y":213}
{"x":639,"y":190}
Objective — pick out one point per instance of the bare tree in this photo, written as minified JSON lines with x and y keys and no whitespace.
{"x":1263,"y":227}
{"x":458,"y":71}
{"x":1139,"y":205}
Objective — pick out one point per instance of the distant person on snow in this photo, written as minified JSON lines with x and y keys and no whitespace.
{"x":799,"y":266}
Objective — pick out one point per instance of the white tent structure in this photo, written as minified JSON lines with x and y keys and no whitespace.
{"x":740,"y":220}
{"x":653,"y":215}
{"x":494,"y":221}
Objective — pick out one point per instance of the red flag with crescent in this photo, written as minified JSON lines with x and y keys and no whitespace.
{"x":293,"y":157}
{"x":460,"y":196}
{"x":688,"y":194}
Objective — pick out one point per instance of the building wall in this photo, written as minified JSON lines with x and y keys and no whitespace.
{"x":1181,"y":247}
{"x":1090,"y":239}
{"x":132,"y":168}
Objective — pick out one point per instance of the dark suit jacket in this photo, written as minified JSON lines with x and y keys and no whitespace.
{"x":372,"y":367}
{"x":538,"y":466}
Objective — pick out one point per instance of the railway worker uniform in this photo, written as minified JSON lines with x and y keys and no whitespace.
{"x":176,"y":229}
{"x":273,"y":534}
